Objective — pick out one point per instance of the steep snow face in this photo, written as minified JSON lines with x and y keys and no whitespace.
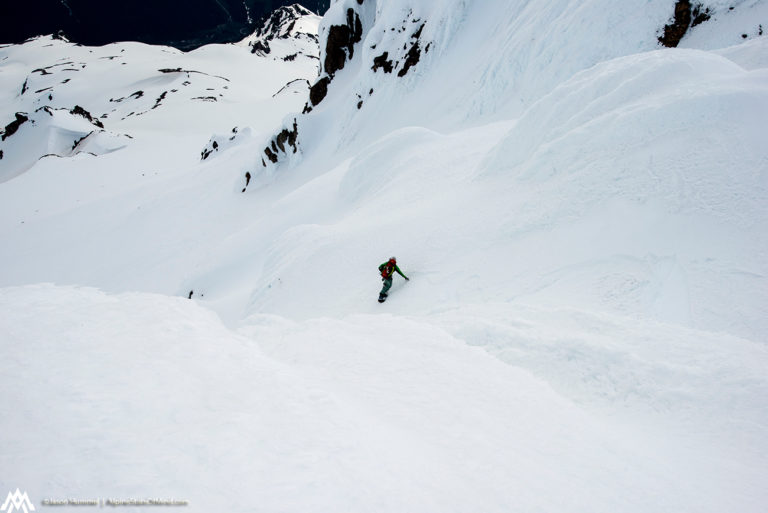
{"x":614,"y":188}
{"x":581,"y":214}
{"x":453,"y":62}
{"x":608,"y":191}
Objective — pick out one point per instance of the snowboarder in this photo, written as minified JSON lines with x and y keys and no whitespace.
{"x":387,"y":270}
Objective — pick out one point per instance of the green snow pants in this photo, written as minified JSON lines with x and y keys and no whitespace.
{"x":387,"y":285}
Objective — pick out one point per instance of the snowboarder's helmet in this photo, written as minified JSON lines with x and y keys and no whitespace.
{"x":393,"y":260}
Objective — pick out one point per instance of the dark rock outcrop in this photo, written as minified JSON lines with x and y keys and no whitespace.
{"x":81,"y":139}
{"x":382,"y":62}
{"x":160,"y":99}
{"x":686,"y":16}
{"x":339,"y":48}
{"x":289,"y":137}
{"x":286,"y":139}
{"x":207,"y":151}
{"x":14,"y":125}
{"x":318,"y":91}
{"x":340,"y":45}
{"x":271,"y":155}
{"x":414,"y":53}
{"x":79,"y":111}
{"x":261,"y":48}
{"x":411,"y":59}
{"x":675,"y":31}
{"x":699,"y":16}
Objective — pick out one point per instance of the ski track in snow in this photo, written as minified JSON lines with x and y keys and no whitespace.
{"x":582,"y":216}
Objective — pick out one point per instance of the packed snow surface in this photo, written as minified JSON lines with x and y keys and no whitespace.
{"x":582,"y":216}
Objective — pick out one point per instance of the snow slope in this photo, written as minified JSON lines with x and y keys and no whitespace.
{"x":375,"y":412}
{"x":581,"y":213}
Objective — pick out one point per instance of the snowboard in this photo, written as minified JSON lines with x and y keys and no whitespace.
{"x":382,"y":298}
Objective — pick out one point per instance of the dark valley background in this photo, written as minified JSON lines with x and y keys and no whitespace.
{"x":184,"y":24}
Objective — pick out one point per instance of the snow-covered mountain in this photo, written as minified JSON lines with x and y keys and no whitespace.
{"x":578,"y":192}
{"x":70,"y":91}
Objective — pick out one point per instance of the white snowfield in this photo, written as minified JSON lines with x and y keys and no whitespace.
{"x":582,"y":216}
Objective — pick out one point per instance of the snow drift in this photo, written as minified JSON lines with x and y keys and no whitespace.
{"x":581,"y":213}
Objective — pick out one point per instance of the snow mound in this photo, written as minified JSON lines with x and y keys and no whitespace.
{"x":338,"y":413}
{"x":615,"y":143}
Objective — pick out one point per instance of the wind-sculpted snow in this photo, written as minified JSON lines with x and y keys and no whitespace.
{"x":455,"y":63}
{"x":580,"y":412}
{"x":54,"y":133}
{"x":581,"y":214}
{"x":619,"y":137}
